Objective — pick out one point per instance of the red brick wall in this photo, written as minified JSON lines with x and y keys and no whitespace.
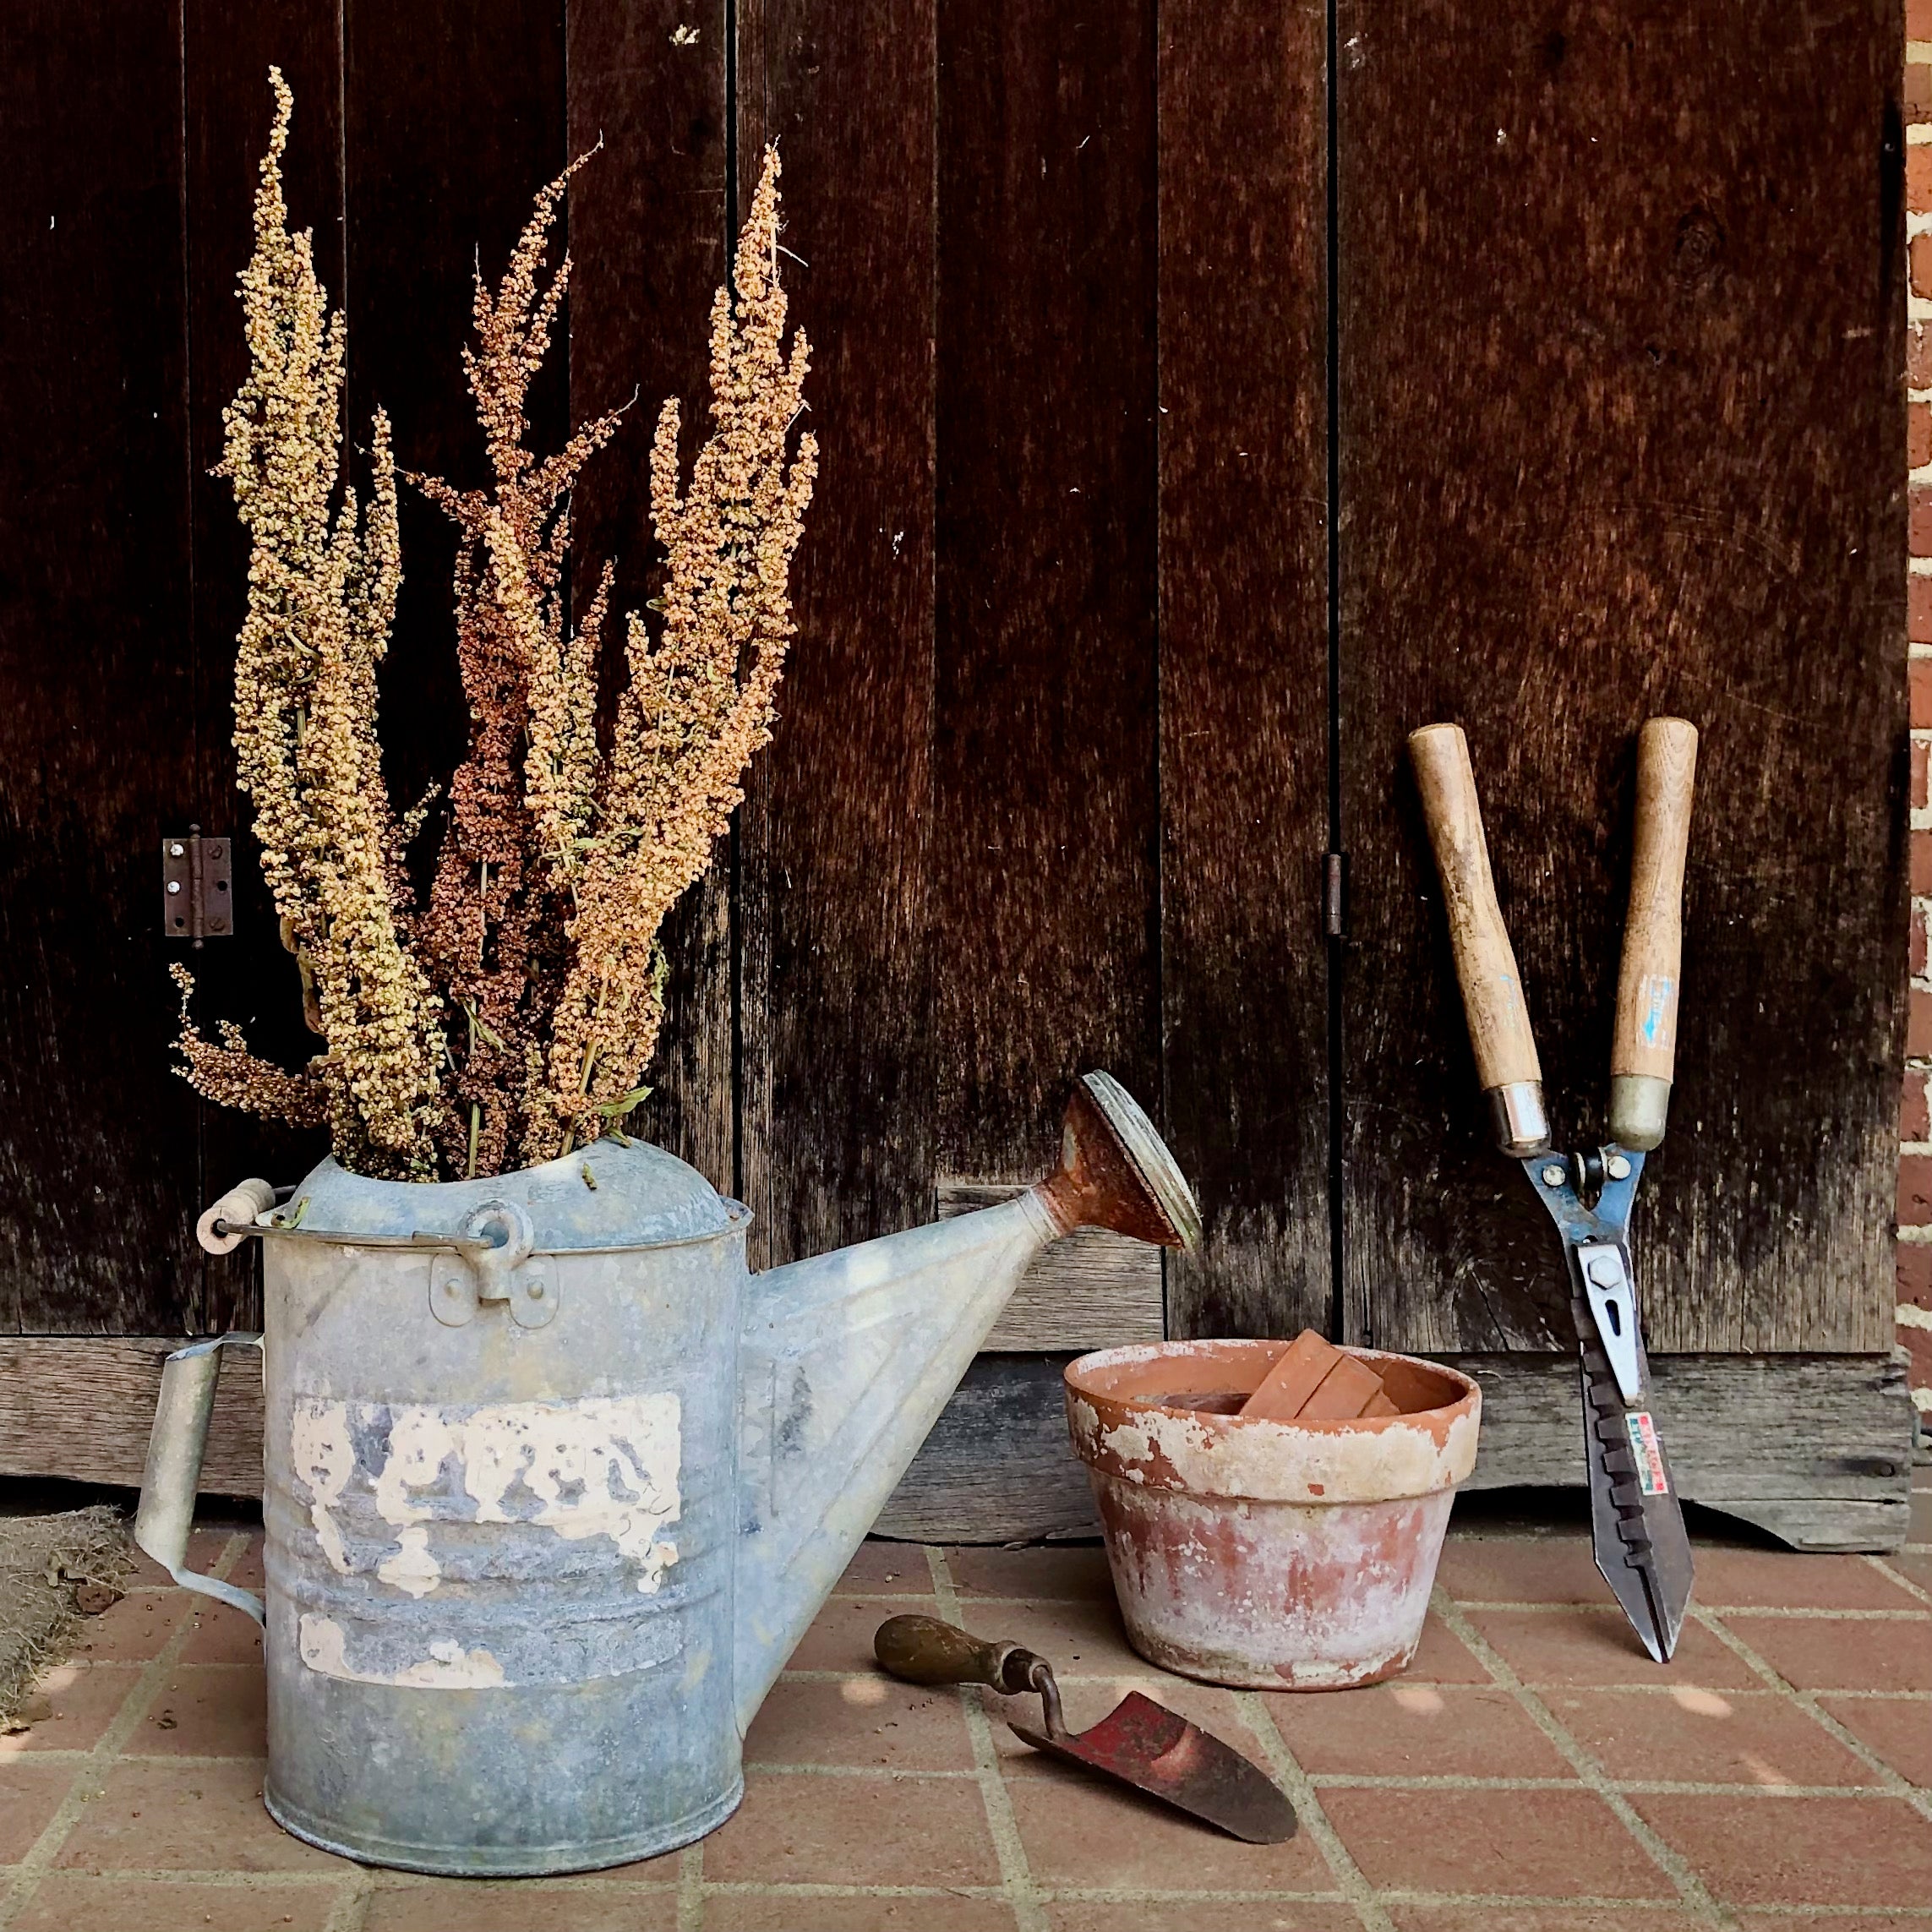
{"x":1914,"y":1123}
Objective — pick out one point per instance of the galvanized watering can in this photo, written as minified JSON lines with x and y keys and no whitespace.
{"x":554,"y":1485}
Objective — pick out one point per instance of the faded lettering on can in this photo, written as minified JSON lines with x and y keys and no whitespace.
{"x":383,"y":1481}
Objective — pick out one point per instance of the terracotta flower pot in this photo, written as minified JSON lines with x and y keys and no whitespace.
{"x":1275,"y":1555}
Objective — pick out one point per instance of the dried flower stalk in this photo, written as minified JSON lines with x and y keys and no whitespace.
{"x":515,"y":1015}
{"x":699,"y":702}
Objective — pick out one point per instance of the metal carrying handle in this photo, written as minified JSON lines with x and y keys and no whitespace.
{"x":172,"y":1476}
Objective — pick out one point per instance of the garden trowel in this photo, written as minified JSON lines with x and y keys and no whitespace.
{"x":1139,"y":1742}
{"x":1636,"y":1520}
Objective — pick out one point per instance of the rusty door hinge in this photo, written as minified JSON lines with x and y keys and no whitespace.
{"x":1335,"y":895}
{"x":197,"y":887}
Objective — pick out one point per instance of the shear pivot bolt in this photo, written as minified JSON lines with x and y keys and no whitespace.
{"x":1618,"y":1167}
{"x":1555,"y":1175}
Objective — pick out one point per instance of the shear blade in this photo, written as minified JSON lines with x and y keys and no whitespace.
{"x":1637,"y":1531}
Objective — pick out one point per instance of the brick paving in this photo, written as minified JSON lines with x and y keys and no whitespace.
{"x":1533,"y":1772}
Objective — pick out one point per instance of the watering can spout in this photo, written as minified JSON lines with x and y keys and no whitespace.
{"x":846,"y":1359}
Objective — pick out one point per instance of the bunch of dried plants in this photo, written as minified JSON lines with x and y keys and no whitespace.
{"x":511,"y":1014}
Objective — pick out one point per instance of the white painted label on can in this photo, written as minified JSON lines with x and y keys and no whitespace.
{"x":1649,"y":1452}
{"x":600,"y":1466}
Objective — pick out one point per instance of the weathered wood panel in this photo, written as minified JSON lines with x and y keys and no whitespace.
{"x":1244,"y":641}
{"x":647,"y":235}
{"x":229,"y":48}
{"x":1033,"y":1489}
{"x":1045,"y":909}
{"x":81,"y":1407}
{"x":1620,"y":423}
{"x":836,"y":1081}
{"x":1831,"y":1437}
{"x":98,"y":699}
{"x":1829,"y":1455}
{"x":1826,"y":1463}
{"x":1093,"y":1288}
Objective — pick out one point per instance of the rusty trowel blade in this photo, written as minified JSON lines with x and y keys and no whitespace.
{"x":1144,"y":1745}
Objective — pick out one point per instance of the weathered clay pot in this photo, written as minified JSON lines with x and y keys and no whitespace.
{"x":1275,"y":1555}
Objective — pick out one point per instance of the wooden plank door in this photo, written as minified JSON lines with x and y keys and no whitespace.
{"x":1063,"y":629}
{"x":950,"y":899}
{"x":99,"y":739}
{"x":1244,"y":657}
{"x":1620,"y":416}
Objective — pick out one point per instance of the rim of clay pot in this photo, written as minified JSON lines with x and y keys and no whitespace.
{"x":1131,"y":1416}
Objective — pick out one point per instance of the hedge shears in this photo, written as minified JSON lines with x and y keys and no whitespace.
{"x":1636,"y":1521}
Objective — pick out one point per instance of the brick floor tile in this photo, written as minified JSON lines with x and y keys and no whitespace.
{"x":30,"y":1794}
{"x":1520,"y":1570}
{"x":1899,"y":1732}
{"x":1818,"y":1653}
{"x":1089,"y":1700}
{"x":134,"y":1629}
{"x":841,"y":1634}
{"x":248,"y":1573}
{"x":886,"y":1569}
{"x":1782,"y":1579}
{"x":1416,"y":1730}
{"x":1834,"y":1921}
{"x":1078,"y":1639}
{"x":749,"y":1912}
{"x":864,"y":1721}
{"x":800,"y":1828}
{"x":143,"y":1572}
{"x":1441,"y":1657}
{"x":207,"y":1541}
{"x":205,"y":1817}
{"x":515,"y":1904}
{"x":1541,"y":1844}
{"x":1542,"y":1918}
{"x":71,"y":1902}
{"x":1798,"y":1851}
{"x":1599,"y":1647}
{"x":1078,"y":1830}
{"x":1692,"y":1736}
{"x":215,"y":1710}
{"x":70,"y":1706}
{"x":1076,"y":1570}
{"x":223,"y":1635}
{"x":1915,"y":1564}
{"x":1201,"y":1915}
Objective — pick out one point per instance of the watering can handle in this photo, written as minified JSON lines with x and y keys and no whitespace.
{"x":173,"y":1472}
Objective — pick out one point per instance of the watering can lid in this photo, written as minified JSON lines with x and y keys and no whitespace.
{"x":610,"y":1194}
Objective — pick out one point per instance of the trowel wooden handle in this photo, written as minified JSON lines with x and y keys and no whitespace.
{"x":1644,"y":1050}
{"x":922,"y":1650}
{"x":1485,"y":962}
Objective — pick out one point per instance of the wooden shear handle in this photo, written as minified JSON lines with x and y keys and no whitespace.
{"x":1644,"y":1052}
{"x":1485,"y":963}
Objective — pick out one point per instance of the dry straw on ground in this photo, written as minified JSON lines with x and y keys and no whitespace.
{"x":513,"y":1015}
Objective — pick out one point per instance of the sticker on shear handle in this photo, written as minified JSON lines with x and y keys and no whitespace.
{"x":1654,"y":998}
{"x":1649,"y":1452}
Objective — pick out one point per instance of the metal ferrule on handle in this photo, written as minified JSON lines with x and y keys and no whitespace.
{"x":173,"y":1472}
